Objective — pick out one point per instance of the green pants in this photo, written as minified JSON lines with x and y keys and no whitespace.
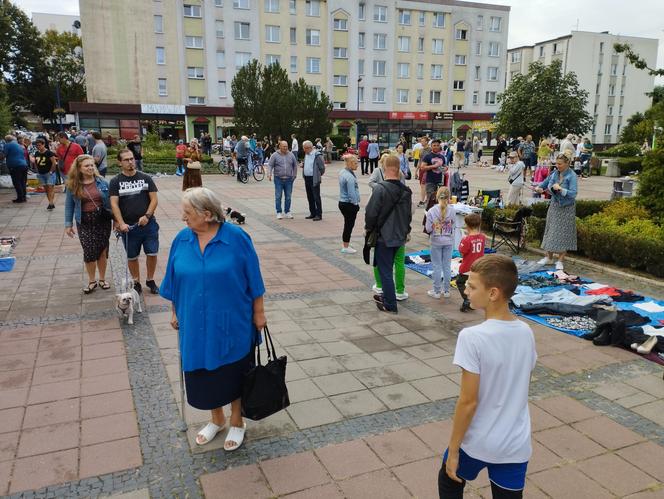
{"x":399,"y":272}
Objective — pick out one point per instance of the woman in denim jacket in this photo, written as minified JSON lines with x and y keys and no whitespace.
{"x":560,"y":231}
{"x":88,"y":203}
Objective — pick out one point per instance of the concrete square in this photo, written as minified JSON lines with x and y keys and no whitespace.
{"x":108,"y":457}
{"x":321,"y":367}
{"x":303,"y":389}
{"x":413,"y":369}
{"x":294,"y":372}
{"x":61,"y":411}
{"x":375,"y":484}
{"x":106,"y":428}
{"x":566,"y":409}
{"x":375,"y":344}
{"x":400,"y":395}
{"x":443,"y":364}
{"x":56,"y":373}
{"x":388,"y":328}
{"x":340,"y":348}
{"x":359,"y":403}
{"x":542,"y":458}
{"x":244,"y":481}
{"x":295,"y":338}
{"x":406,"y":339}
{"x":420,"y":476}
{"x":47,"y":439}
{"x":11,"y":419}
{"x":378,"y":376}
{"x":334,"y":384}
{"x":47,"y":469}
{"x":568,"y":443}
{"x":106,"y":403}
{"x":613,"y":391}
{"x":646,"y":456}
{"x":541,"y":420}
{"x":305,"y":352}
{"x":654,"y":411}
{"x":312,"y":413}
{"x":651,"y":384}
{"x":357,"y":361}
{"x":348,"y":459}
{"x":615,"y":474}
{"x":435,"y":435}
{"x":327,"y":491}
{"x":436,"y":388}
{"x":294,"y":473}
{"x":54,"y":391}
{"x":634,"y":400}
{"x":387,"y":357}
{"x":608,"y":433}
{"x":58,"y":355}
{"x":17,"y":361}
{"x":426,"y":351}
{"x":567,"y":481}
{"x":8,"y":444}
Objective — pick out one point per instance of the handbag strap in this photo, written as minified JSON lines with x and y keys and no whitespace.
{"x":379,"y":226}
{"x":271,"y":354}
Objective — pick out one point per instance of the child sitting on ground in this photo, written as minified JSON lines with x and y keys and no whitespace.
{"x":491,"y":427}
{"x":440,"y":225}
{"x":471,"y":248}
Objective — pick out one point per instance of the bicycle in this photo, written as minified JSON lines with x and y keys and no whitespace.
{"x":243,"y":173}
{"x":259,"y":172}
{"x":226,"y":165}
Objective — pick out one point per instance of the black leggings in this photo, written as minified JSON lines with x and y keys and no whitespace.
{"x":449,"y":489}
{"x":461,"y":281}
{"x":349,"y":211}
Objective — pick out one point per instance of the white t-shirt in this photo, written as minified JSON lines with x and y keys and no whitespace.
{"x":294,"y":146}
{"x":503,"y":354}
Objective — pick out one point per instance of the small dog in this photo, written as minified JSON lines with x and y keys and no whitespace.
{"x":128,"y":302}
{"x":235,"y":216}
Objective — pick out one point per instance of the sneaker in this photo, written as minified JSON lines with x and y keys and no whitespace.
{"x":50,"y":207}
{"x":402,"y":296}
{"x":545,"y":261}
{"x":154,"y":289}
{"x":560,"y":265}
{"x":377,"y":290}
{"x":433,"y":294}
{"x":289,"y":215}
{"x":349,"y":250}
{"x":446,"y":294}
{"x":138,"y":288}
{"x":280,"y":216}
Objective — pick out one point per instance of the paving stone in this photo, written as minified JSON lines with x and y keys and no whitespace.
{"x":327,"y":491}
{"x":542,"y":458}
{"x":435,"y":435}
{"x":388,"y":357}
{"x":443,"y":364}
{"x":47,"y":439}
{"x":637,"y":399}
{"x":17,"y":361}
{"x":565,"y":409}
{"x":374,"y":344}
{"x":650,"y":384}
{"x":334,"y":384}
{"x":60,"y":411}
{"x":646,"y":456}
{"x":357,"y":332}
{"x":11,"y":380}
{"x":244,"y":481}
{"x":106,"y":403}
{"x":654,"y":411}
{"x":306,"y":352}
{"x":425,"y":351}
{"x":613,"y":391}
{"x":295,"y":338}
{"x":433,"y":335}
{"x":11,"y":419}
{"x":360,"y":403}
{"x":388,"y":328}
{"x":56,"y":373}
{"x":398,"y":447}
{"x":340,"y":348}
{"x":357,"y":361}
{"x":313,"y":413}
{"x":436,"y":388}
{"x":399,"y":395}
{"x":303,"y":389}
{"x":104,"y":384}
{"x":5,"y":473}
{"x":379,"y":483}
{"x":294,"y":473}
{"x":567,"y":481}
{"x":54,"y":391}
{"x":19,"y":346}
{"x":108,"y":457}
{"x":348,"y":459}
{"x":405,"y":339}
{"x":420,"y":477}
{"x":541,"y":420}
{"x":47,"y":469}
{"x":568,"y":443}
{"x":136,"y":494}
{"x":608,"y":433}
{"x":615,"y":474}
{"x":60,"y":342}
{"x":378,"y":376}
{"x":413,"y":369}
{"x":648,"y":494}
{"x":293,"y":372}
{"x":8,"y":444}
{"x":110,"y":427}
{"x":58,"y":356}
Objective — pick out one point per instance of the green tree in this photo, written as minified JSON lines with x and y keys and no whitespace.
{"x":246,"y":90}
{"x":651,"y":183}
{"x":5,"y":113}
{"x":543,"y":102}
{"x":637,"y":129}
{"x":636,"y":59}
{"x":311,"y":111}
{"x":657,"y":94}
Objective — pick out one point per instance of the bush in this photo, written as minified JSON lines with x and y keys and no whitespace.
{"x":651,"y":184}
{"x":536,"y":229}
{"x":621,"y":151}
{"x":340,"y":140}
{"x":629,"y":165}
{"x":624,"y":210}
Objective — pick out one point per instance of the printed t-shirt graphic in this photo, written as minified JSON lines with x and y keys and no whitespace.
{"x":133,"y":193}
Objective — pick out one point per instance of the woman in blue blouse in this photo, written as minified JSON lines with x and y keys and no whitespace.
{"x":560,"y":230}
{"x":214,"y":282}
{"x":349,"y":200}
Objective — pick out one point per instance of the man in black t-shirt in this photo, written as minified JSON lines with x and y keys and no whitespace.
{"x":434,"y":164}
{"x":45,"y":161}
{"x":134,"y":201}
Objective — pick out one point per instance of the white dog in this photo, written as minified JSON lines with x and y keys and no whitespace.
{"x":127,"y":302}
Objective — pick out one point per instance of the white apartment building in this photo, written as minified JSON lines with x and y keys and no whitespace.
{"x":56,"y":22}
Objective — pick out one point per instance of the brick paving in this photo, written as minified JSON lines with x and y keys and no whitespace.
{"x":90,"y":406}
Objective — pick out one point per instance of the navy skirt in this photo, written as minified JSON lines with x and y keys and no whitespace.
{"x":207,"y":390}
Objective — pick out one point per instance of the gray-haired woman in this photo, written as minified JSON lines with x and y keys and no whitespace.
{"x":214,"y":283}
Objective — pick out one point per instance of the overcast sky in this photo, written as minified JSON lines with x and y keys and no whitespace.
{"x":530,"y":20}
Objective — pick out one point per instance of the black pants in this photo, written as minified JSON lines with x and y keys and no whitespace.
{"x":461,"y":281}
{"x":349,"y":211}
{"x":449,"y":489}
{"x":373,"y":163}
{"x":364,"y":164}
{"x":384,"y":260}
{"x":19,"y":180}
{"x":313,"y":196}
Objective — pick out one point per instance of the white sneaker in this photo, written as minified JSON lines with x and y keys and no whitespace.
{"x":560,"y":265}
{"x":545,"y":261}
{"x":433,"y":294}
{"x":377,"y":290}
{"x":402,"y":296}
{"x":289,"y":215}
{"x":280,"y":216}
{"x":349,"y":250}
{"x":446,"y":294}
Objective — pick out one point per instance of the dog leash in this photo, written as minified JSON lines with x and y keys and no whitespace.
{"x":118,"y":235}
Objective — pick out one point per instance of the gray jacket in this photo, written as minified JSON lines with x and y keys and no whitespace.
{"x":396,"y":226}
{"x":282,"y":165}
{"x":319,"y":167}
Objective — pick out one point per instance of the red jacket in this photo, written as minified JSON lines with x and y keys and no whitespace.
{"x":364,"y":146}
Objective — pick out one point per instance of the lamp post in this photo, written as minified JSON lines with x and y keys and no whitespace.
{"x":357,"y":110}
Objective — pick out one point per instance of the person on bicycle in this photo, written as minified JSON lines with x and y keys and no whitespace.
{"x":586,"y":154}
{"x":242,"y":152}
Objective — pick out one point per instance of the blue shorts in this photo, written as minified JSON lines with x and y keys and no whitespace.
{"x":146,"y":237}
{"x":510,"y":476}
{"x":46,"y":178}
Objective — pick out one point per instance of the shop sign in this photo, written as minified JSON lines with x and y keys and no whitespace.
{"x":162,"y":109}
{"x":164,"y":123}
{"x":225,"y":121}
{"x":394,"y":115}
{"x":442,"y":116}
{"x":483,"y":125}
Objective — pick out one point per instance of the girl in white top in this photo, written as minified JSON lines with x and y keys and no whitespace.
{"x":440,"y":225}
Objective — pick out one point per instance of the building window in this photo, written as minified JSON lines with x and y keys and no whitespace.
{"x":555,"y":48}
{"x":436,"y":71}
{"x":618,"y":129}
{"x":458,"y":84}
{"x":196,"y":100}
{"x":361,"y":40}
{"x":457,"y":107}
{"x":338,"y":105}
{"x":193,"y":42}
{"x":478,"y":48}
{"x":272,"y":34}
{"x":434,"y":97}
{"x":601,"y":48}
{"x":219,"y":28}
{"x":161,"y":55}
{"x":379,"y":95}
{"x":292,"y":8}
{"x":404,"y":17}
{"x":438,"y":20}
{"x":158,"y":24}
{"x":422,"y":19}
{"x":221,"y":89}
{"x":402,"y":96}
{"x":272,"y":6}
{"x":313,"y":65}
{"x":218,"y":3}
{"x":612,"y":90}
{"x":380,"y":41}
{"x":313,"y":37}
{"x":476,"y":98}
{"x":403,"y":70}
{"x":360,"y":67}
{"x":404,"y":43}
{"x":460,"y":60}
{"x":380,"y":14}
{"x":293,"y":64}
{"x":162,"y":89}
{"x":192,"y":10}
{"x":437,"y":46}
{"x":313,"y":8}
{"x":360,"y":94}
{"x":492,"y":73}
{"x":340,"y":53}
{"x":241,"y":31}
{"x":293,"y":36}
{"x":379,"y":68}
{"x":614,"y":69}
{"x":418,"y":96}
{"x":609,"y":110}
{"x":490,"y":98}
{"x":480,"y":23}
{"x":221,"y":59}
{"x":620,"y":110}
{"x":624,"y":69}
{"x":607,"y":129}
{"x":361,"y":12}
{"x":340,"y":80}
{"x":420,"y":71}
{"x":478,"y":71}
{"x":461,"y":34}
{"x":240,"y":4}
{"x":340,"y":25}
{"x":541,"y":51}
{"x":496,"y":23}
{"x":494,"y":49}
{"x":272,"y":59}
{"x":516,"y":57}
{"x":195,"y":73}
{"x":241,"y":59}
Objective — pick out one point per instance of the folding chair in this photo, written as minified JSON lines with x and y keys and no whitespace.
{"x":512,"y":231}
{"x":488,"y":196}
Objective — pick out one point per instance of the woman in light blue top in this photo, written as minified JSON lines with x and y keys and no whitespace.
{"x":349,"y":200}
{"x":403,"y":161}
{"x":374,"y":153}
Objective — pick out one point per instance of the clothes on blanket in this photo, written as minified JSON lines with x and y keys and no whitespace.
{"x":561,"y":296}
{"x":653,"y":330}
{"x":612,"y":326}
{"x":572,"y":322}
{"x":563,"y":309}
{"x":650,"y":306}
{"x":565,"y":278}
{"x":524,"y":267}
{"x":538,"y":281}
{"x":418,"y":259}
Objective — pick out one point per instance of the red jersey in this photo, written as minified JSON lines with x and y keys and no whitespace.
{"x":471,"y":248}
{"x":180,"y":149}
{"x":364,"y":148}
{"x":67,"y":154}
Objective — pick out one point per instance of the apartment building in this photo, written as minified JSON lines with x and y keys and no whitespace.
{"x":616,"y":88}
{"x":56,"y":22}
{"x":389,"y":66}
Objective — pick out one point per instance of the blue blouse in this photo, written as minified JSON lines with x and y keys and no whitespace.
{"x":568,"y":187}
{"x":213,"y":295}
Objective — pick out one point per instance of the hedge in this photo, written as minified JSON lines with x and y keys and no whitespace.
{"x":621,"y":151}
{"x":629,"y":165}
{"x":584,"y":208}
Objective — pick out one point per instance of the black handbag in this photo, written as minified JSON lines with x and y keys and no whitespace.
{"x":264,"y":390}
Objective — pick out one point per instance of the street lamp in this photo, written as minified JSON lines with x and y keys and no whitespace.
{"x":357,"y":110}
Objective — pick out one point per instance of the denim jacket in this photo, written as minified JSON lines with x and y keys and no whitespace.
{"x":567,"y":195}
{"x":349,"y":192}
{"x":73,"y":204}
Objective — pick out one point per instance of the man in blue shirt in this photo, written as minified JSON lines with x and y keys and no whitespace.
{"x":242,"y":154}
{"x":313,"y":169}
{"x":14,"y":155}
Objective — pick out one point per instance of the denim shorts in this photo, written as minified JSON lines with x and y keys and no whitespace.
{"x":510,"y":476}
{"x":146,"y":237}
{"x":46,"y":178}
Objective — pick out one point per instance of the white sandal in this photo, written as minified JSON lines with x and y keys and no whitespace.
{"x":235,"y":434}
{"x":208,"y":432}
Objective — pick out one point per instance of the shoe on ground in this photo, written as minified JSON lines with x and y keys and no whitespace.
{"x":317,"y":219}
{"x":402,"y":296}
{"x":50,"y":207}
{"x":349,"y":250}
{"x":560,"y":265}
{"x":138,"y":288}
{"x":433,"y":294}
{"x":381,"y":306}
{"x":378,"y":298}
{"x":280,"y":216}
{"x":154,"y":289}
{"x":309,"y":217}
{"x":289,"y":215}
{"x":377,"y":290}
{"x":446,"y":294}
{"x":545,"y":261}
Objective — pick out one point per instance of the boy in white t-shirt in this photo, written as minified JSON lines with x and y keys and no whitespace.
{"x":491,"y":422}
